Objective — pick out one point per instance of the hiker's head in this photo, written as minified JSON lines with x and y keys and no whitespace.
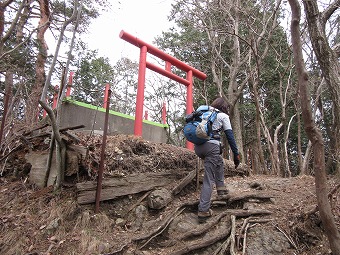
{"x":220,"y":104}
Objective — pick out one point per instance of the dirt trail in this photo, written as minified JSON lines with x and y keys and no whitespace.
{"x":261,"y":214}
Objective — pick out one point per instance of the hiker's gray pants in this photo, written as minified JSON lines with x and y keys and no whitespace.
{"x":213,"y":171}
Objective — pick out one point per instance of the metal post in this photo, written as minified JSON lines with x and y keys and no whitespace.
{"x":189,"y":145}
{"x":106,"y":95}
{"x":140,"y":92}
{"x":55,"y":97}
{"x":102,"y":154}
{"x":69,"y":85}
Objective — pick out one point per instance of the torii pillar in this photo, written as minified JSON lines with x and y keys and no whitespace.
{"x":169,"y":61}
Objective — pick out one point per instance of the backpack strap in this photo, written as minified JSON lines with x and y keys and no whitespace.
{"x":203,"y":108}
{"x":215,"y":133}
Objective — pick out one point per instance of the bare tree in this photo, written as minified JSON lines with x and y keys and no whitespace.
{"x":313,"y":133}
{"x":220,"y":67}
{"x":260,"y":45}
{"x":55,"y":120}
{"x":329,"y":64}
{"x":17,"y":25}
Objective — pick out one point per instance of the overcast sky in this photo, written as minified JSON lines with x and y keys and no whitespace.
{"x":144,"y":19}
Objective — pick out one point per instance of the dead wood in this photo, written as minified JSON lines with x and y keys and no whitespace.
{"x":291,"y":241}
{"x":48,"y":133}
{"x":138,"y":202}
{"x":35,"y":129}
{"x":81,"y":150}
{"x":117,"y":187}
{"x":184,"y":182}
{"x":39,"y":135}
{"x":73,"y":137}
{"x":26,"y":142}
{"x":71,"y":128}
{"x":12,"y":151}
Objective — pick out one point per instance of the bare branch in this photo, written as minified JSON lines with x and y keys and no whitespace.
{"x":14,"y":22}
{"x":18,"y":45}
{"x":327,"y":13}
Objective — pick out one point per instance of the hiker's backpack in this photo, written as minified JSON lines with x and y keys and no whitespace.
{"x":198,"y":127}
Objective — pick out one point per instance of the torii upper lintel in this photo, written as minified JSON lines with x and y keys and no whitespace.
{"x":169,"y":61}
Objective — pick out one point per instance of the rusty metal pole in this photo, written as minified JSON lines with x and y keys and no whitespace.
{"x":69,"y":85}
{"x":106,"y":95}
{"x":102,"y":154}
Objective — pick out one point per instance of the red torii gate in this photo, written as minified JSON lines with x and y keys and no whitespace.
{"x":169,"y":61}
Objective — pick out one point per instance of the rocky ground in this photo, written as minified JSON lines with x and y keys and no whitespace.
{"x":260,"y":215}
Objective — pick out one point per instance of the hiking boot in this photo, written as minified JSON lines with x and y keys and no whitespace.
{"x":222,"y":191}
{"x":203,"y":216}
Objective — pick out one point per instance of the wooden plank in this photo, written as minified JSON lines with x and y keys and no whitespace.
{"x":38,"y":160}
{"x":122,"y":186}
{"x":82,"y":150}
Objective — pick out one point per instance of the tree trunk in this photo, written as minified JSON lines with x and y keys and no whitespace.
{"x":314,"y":134}
{"x":44,"y":23}
{"x":236,"y":124}
{"x":299,"y":148}
{"x":233,"y":85}
{"x":287,"y":171}
{"x":263,"y":168}
{"x":269,"y":25}
{"x":7,"y":97}
{"x":329,"y":65}
{"x":276,"y":152}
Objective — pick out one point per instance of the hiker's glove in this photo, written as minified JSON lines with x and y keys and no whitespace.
{"x":236,"y":160}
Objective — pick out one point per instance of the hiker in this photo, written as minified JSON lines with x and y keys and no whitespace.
{"x":211,"y":152}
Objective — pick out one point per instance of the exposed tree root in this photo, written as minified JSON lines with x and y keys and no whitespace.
{"x":161,"y":231}
{"x":221,"y":231}
{"x":222,"y":248}
{"x":247,"y":195}
{"x":232,"y":235}
{"x":288,"y":237}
